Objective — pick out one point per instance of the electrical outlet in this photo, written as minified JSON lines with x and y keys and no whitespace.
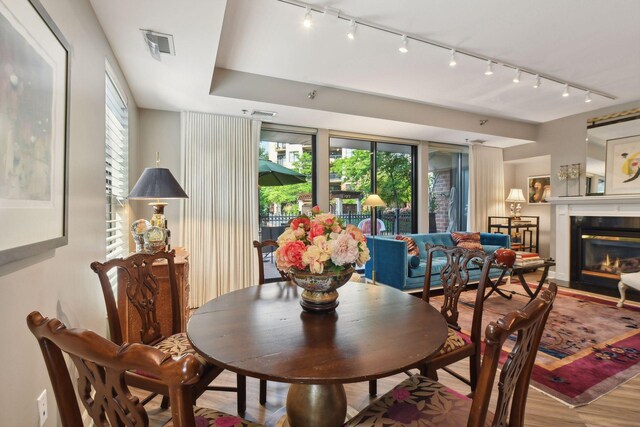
{"x":43,"y":412}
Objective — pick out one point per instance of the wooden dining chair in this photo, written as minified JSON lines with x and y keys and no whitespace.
{"x":102,"y":367}
{"x":420,"y":400}
{"x":454,"y":278}
{"x":454,"y":264}
{"x":260,"y":249}
{"x":142,"y":290}
{"x":284,"y":276}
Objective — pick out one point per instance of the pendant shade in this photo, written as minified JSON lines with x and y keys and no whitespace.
{"x":157,"y":183}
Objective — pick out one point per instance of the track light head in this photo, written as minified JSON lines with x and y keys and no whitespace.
{"x":566,"y":90}
{"x":538,"y":82}
{"x":351,"y":34}
{"x":516,"y":76}
{"x":452,"y":59}
{"x":489,"y":70}
{"x":404,"y":45}
{"x":587,"y":96}
{"x":307,"y":18}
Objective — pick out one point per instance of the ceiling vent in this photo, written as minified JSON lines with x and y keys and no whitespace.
{"x":158,"y":43}
{"x":263,"y":114}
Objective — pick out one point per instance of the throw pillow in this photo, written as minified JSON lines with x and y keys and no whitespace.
{"x":412,"y":248}
{"x":467,"y":240}
{"x":414,"y":261}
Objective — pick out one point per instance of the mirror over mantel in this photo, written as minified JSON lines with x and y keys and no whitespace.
{"x":606,"y":139}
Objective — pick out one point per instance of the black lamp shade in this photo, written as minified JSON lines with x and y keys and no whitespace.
{"x":157,"y":183}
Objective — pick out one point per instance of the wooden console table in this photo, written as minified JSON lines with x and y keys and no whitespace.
{"x":129,"y":317}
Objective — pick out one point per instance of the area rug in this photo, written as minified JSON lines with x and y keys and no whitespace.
{"x":589,"y":346}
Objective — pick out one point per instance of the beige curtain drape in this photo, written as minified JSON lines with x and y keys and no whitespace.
{"x":486,"y":186}
{"x":220,"y":218}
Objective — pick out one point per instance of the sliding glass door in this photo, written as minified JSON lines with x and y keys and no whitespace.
{"x":359,"y":168}
{"x":448,"y":188}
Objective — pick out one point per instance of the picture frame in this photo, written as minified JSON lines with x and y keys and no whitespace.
{"x":622,"y":166}
{"x":34,"y":131}
{"x":539,"y":189}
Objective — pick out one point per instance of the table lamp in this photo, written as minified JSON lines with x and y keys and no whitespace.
{"x":374,"y":201}
{"x":157,"y":183}
{"x":515,"y":196}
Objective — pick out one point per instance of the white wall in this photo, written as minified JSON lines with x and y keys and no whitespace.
{"x":515,"y":176}
{"x":159,"y":132}
{"x":60,"y":283}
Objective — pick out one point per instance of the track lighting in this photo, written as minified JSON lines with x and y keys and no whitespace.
{"x":404,"y":45}
{"x":489,"y":70}
{"x":516,"y":77}
{"x":452,"y":59}
{"x":354,"y":22}
{"x":538,"y":82}
{"x":351,"y":34}
{"x":307,"y":18}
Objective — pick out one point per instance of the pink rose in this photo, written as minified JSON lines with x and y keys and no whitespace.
{"x":316,"y":229}
{"x":356,"y":233}
{"x":400,"y":394}
{"x":315,"y":209}
{"x":290,"y":255}
{"x":303,"y":220}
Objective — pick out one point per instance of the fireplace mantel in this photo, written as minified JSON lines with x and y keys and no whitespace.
{"x":566,"y":207}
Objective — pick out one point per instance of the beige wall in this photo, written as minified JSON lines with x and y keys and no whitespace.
{"x":564,"y":141}
{"x":159,"y":132}
{"x":515,"y":176}
{"x":60,"y":283}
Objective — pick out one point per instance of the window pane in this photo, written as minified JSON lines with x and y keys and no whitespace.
{"x":448,"y":189}
{"x":349,"y":178}
{"x":394,"y":184}
{"x":280,"y":203}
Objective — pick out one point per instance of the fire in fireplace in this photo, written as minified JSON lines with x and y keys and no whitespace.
{"x":602,"y":248}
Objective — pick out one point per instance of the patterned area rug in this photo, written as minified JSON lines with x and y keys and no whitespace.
{"x":589,"y":346}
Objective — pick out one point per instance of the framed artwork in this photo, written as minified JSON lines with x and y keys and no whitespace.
{"x":622,"y":171}
{"x":34,"y":127}
{"x":539,"y":189}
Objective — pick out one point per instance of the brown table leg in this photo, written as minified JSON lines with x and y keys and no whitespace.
{"x":314,"y":405}
{"x":525,"y":286}
{"x":494,"y":286}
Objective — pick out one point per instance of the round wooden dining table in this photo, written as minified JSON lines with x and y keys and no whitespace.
{"x":262,"y":332}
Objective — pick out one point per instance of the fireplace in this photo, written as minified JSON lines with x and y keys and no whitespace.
{"x":602,"y":248}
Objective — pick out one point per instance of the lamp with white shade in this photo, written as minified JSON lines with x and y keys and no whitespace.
{"x":515,"y":197}
{"x":374,"y":201}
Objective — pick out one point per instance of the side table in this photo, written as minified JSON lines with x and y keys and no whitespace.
{"x":519,"y":272}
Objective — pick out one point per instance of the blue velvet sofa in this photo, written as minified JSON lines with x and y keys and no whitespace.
{"x":394,"y":266}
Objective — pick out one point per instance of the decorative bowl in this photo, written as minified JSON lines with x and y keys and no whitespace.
{"x":320,"y":293}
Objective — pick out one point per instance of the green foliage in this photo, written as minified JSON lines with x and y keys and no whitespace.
{"x":355,"y":170}
{"x":288,"y":194}
{"x":394,"y":178}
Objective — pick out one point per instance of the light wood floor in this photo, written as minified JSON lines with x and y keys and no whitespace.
{"x":620,"y":408}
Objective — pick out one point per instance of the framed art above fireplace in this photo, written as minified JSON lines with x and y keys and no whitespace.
{"x":623,"y":166}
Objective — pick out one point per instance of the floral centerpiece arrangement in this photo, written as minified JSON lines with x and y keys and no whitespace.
{"x":319,"y":253}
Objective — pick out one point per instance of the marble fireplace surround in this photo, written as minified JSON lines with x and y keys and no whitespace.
{"x":566,"y":207}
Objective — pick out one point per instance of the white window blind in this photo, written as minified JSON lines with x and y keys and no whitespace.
{"x":117,"y":176}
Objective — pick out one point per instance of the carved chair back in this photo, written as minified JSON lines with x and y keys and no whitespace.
{"x":101,"y":366}
{"x":528,"y":323}
{"x":142,"y":289}
{"x":454,"y":277}
{"x":260,"y":250}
